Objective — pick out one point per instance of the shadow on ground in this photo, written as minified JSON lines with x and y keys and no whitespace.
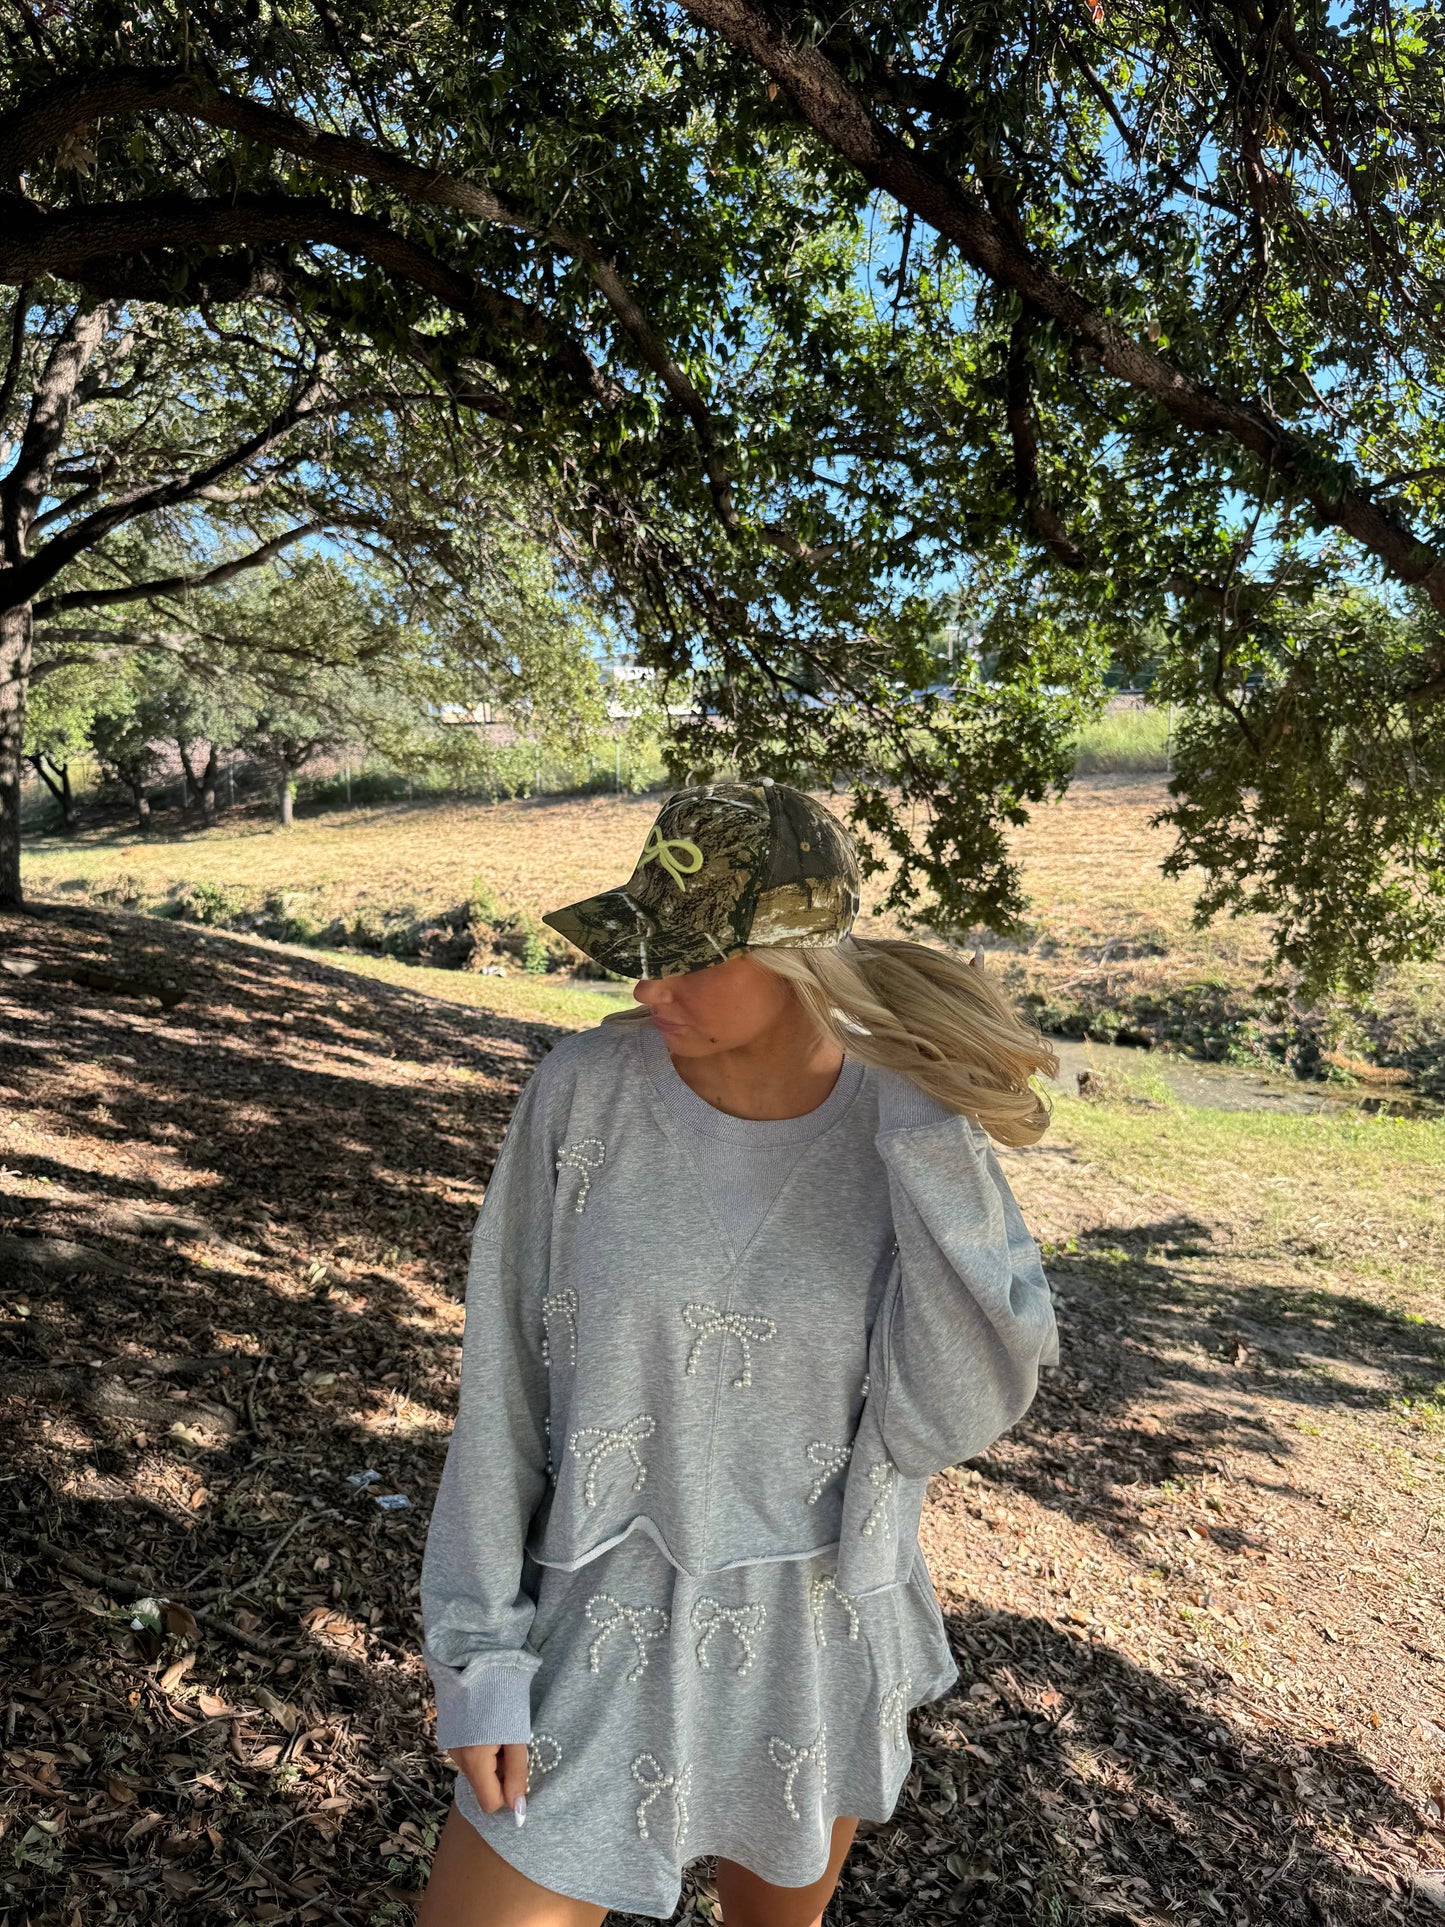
{"x":234,"y":1233}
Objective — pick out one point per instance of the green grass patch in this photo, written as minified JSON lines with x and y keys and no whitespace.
{"x":1363,"y":1193}
{"x":1131,"y":741}
{"x":540,"y":999}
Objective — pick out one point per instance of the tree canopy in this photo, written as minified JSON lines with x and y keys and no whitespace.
{"x":1113,"y":326}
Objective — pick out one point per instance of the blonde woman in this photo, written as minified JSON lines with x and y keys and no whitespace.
{"x":747,"y":1274}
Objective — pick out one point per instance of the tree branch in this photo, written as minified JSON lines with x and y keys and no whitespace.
{"x":79,"y":240}
{"x":22,"y":583}
{"x":176,"y":584}
{"x":1019,"y":413}
{"x":111,"y":645}
{"x":25,"y":486}
{"x":833,"y":110}
{"x":17,"y":348}
{"x":56,"y":111}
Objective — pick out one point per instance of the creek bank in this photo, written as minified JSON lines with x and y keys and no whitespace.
{"x":1153,"y":1079}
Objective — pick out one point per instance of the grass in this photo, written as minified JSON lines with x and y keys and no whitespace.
{"x":543,"y":999}
{"x":1363,"y":1193}
{"x":1133,"y":740}
{"x":1110,"y":949}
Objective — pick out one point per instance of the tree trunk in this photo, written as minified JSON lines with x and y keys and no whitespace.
{"x":288,"y":799}
{"x":208,"y":789}
{"x":142,"y":803}
{"x":14,"y":673}
{"x":61,"y":791}
{"x":191,"y":787}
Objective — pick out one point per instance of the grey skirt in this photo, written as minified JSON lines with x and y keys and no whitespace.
{"x":738,"y":1714}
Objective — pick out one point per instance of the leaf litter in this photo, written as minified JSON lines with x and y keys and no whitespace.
{"x":1200,"y":1650}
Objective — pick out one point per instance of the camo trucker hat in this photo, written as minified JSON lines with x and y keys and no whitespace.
{"x":726,"y":867}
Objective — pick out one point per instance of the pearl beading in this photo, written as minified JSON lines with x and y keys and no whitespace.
{"x":746,"y":1327}
{"x":881,"y":1478}
{"x":645,"y":1623}
{"x":647,"y":1772}
{"x":893,"y":1713}
{"x":831,"y":1459}
{"x":711,"y":1616}
{"x":589,"y":1154}
{"x":543,"y":1754}
{"x":867,"y":1382}
{"x":560,"y":1305}
{"x":820,"y":1588}
{"x":604,"y":1442}
{"x":791,"y":1759}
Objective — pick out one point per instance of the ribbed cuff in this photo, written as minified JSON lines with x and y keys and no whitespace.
{"x":901,"y":1105}
{"x":491,"y":1708}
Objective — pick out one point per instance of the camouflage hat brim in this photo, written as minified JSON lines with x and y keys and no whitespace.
{"x":727,"y":867}
{"x":614,"y":931}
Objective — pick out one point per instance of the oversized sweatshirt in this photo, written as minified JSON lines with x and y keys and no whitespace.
{"x":749,"y":1353}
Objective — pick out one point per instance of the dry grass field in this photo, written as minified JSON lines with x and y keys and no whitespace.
{"x":1109,"y":950}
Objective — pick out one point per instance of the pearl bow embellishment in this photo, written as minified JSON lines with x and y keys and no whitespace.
{"x":648,"y":1773}
{"x":746,"y":1327}
{"x":791,"y":1759}
{"x":710,"y":1616}
{"x":645,"y":1623}
{"x":830,"y":1459}
{"x":586,"y":1156}
{"x":560,"y":1305}
{"x":596,"y":1443}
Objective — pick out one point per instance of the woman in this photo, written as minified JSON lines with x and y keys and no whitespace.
{"x":747,"y":1273}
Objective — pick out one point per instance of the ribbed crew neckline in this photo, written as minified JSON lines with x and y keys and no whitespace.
{"x":695,"y":1114}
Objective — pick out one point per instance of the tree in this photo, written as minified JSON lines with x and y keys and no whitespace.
{"x":670,"y":432}
{"x":56,"y":732}
{"x":1121,"y":324}
{"x":193,"y":702}
{"x":124,"y":733}
{"x":364,"y":460}
{"x":1188,"y":265}
{"x":319,"y":653}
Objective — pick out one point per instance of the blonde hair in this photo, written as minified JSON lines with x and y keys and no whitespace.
{"x":927,"y":1014}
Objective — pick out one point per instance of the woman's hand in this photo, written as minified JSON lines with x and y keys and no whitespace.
{"x":497,"y":1775}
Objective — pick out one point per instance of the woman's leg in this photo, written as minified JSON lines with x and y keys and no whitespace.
{"x":748,"y":1901}
{"x":472,"y":1886}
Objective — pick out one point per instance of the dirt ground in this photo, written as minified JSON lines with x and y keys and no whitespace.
{"x":1197,"y":1598}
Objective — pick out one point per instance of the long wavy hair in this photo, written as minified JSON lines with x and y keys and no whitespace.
{"x":930,"y":1015}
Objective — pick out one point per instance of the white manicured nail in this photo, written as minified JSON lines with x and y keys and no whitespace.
{"x":519,"y":1809}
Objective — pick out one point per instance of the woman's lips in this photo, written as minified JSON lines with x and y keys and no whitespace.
{"x":667,"y":1023}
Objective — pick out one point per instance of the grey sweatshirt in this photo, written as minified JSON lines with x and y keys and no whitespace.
{"x":750,"y":1341}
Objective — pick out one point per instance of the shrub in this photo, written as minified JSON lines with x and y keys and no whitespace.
{"x":123,"y":888}
{"x":209,"y":903}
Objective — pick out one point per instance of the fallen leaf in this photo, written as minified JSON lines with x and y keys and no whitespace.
{"x":176,"y":1672}
{"x":179,"y":1621}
